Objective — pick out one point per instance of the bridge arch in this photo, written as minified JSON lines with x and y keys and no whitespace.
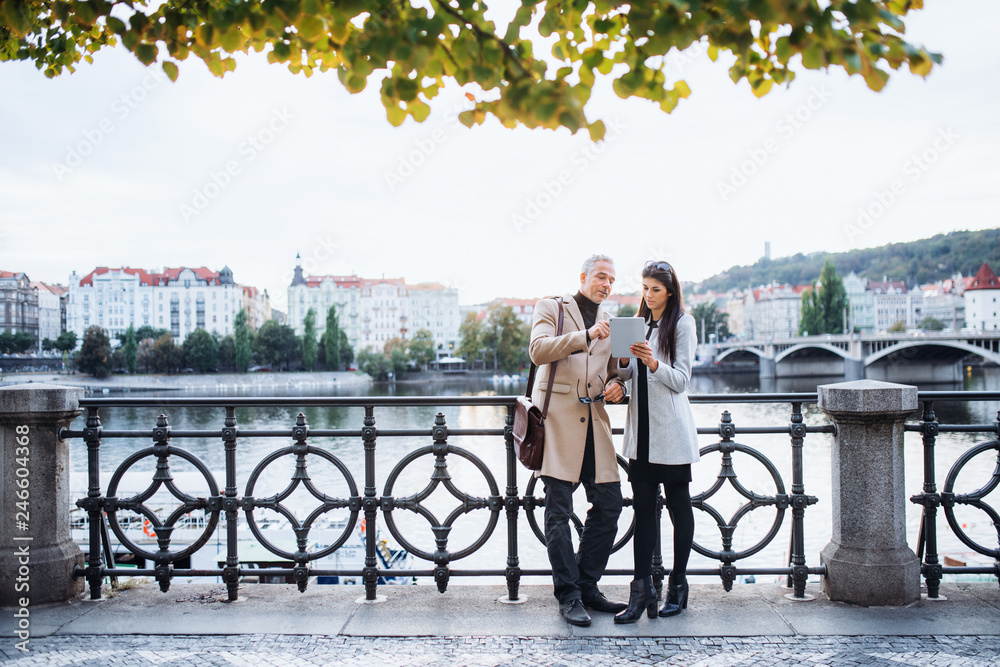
{"x":734,"y":350}
{"x":811,"y":346}
{"x":955,"y":345}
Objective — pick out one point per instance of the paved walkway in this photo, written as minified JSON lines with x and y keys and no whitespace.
{"x":275,"y":625}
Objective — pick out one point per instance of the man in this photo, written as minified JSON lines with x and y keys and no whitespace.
{"x":578,"y":447}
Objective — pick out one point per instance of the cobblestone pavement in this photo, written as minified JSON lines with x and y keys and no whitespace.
{"x":303,"y":651}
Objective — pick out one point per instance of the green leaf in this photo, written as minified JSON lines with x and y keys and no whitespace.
{"x":876,"y":78}
{"x":170,"y":70}
{"x":597,"y":130}
{"x":232,"y":39}
{"x":116,"y":26}
{"x":419,"y":111}
{"x":146,"y":53}
{"x":395,"y":114}
{"x":310,"y":27}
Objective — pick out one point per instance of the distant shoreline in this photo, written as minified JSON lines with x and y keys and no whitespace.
{"x":155,"y":382}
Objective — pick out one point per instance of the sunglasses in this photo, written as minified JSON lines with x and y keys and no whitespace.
{"x":659,"y":266}
{"x":587,"y":400}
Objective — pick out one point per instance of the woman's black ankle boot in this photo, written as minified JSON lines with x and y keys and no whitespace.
{"x":677,"y":595}
{"x":641,"y":596}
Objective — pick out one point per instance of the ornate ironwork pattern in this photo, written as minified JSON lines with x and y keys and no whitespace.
{"x":780,"y":501}
{"x":930,"y":499}
{"x":300,"y":450}
{"x":441,"y":477}
{"x":227,"y":505}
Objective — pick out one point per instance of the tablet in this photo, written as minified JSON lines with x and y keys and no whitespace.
{"x":626,"y":331}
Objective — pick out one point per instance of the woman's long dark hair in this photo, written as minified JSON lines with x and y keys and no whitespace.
{"x":667,"y":335}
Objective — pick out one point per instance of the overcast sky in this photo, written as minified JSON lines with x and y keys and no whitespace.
{"x":116,"y":166}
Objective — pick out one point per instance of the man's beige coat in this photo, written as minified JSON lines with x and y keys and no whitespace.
{"x":582,"y":368}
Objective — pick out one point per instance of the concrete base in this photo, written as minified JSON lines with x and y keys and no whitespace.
{"x":871,"y":576}
{"x":46,"y":577}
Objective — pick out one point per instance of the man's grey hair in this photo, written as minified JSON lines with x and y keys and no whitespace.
{"x":591,"y":262}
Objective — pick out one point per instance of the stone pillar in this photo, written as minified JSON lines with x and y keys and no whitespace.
{"x":867,"y":560}
{"x":37,"y":556}
{"x":766,"y":369}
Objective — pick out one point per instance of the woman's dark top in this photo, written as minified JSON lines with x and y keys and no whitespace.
{"x":640,"y":469}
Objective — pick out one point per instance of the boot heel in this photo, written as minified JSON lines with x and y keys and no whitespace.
{"x":651,"y":609}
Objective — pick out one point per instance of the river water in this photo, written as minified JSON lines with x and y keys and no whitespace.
{"x":752,"y":475}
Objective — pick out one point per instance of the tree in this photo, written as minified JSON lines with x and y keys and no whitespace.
{"x":898,"y":327}
{"x":66,"y":342}
{"x":146,"y":354}
{"x":346,"y":351}
{"x":241,"y":336}
{"x":507,"y":336}
{"x":471,"y":332}
{"x":6,"y":342}
{"x":375,"y":364}
{"x":200,"y":350}
{"x":332,"y":339}
{"x":931,"y":324}
{"x":421,"y":348}
{"x":130,"y":349}
{"x":415,"y":50}
{"x":309,"y":341}
{"x":276,"y":343}
{"x":22,"y":342}
{"x":146,"y":331}
{"x":707,"y":317}
{"x":167,"y":355}
{"x":823,"y":307}
{"x":48,"y":345}
{"x":95,"y":353}
{"x":227,"y":353}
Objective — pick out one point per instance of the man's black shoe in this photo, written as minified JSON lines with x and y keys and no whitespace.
{"x":574,"y":612}
{"x":600,"y":603}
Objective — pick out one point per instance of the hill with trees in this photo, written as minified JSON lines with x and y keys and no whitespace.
{"x":921,"y":262}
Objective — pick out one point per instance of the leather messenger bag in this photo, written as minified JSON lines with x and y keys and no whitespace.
{"x":529,"y":421}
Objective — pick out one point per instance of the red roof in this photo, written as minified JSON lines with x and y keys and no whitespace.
{"x":58,"y":290}
{"x":148,"y":278}
{"x":8,"y":274}
{"x":985,"y":279}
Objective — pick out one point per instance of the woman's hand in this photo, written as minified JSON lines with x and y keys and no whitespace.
{"x":613,"y":392}
{"x":644,"y":353}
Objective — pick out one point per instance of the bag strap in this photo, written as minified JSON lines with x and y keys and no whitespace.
{"x":552,"y":371}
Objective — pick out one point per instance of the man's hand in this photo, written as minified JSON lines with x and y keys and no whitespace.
{"x":600,"y":330}
{"x":613,"y":392}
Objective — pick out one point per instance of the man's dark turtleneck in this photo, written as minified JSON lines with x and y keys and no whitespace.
{"x":587,"y":308}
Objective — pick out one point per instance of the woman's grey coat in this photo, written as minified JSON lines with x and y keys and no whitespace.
{"x":673,"y":439}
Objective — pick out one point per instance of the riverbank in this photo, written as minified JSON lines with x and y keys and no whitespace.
{"x":191,"y":381}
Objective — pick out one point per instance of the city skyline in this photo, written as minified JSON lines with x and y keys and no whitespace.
{"x":248,"y":171}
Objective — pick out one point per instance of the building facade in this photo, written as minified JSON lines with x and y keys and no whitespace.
{"x":374,"y":311}
{"x":773,"y":312}
{"x":982,"y":301}
{"x":51,"y":315}
{"x":179,"y":300}
{"x":18,"y":304}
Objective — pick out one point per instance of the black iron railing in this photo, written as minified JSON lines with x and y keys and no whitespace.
{"x":927,"y":540}
{"x":105,"y":508}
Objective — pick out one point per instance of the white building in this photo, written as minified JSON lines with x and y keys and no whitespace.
{"x":861,"y":304}
{"x":773,"y":312}
{"x":50,"y":316}
{"x":982,"y":300}
{"x":895,"y":304}
{"x":179,"y":300}
{"x":373,"y":311}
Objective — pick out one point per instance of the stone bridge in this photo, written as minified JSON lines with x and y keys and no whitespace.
{"x":917,"y":357}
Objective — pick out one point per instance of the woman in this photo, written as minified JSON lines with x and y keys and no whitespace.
{"x":661,"y":442}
